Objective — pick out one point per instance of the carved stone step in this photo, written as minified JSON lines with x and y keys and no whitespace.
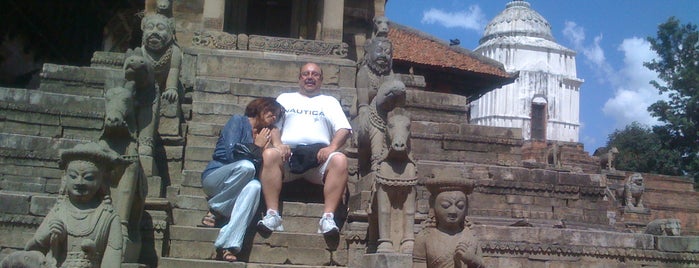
{"x":189,"y":263}
{"x":298,"y":217}
{"x":277,"y":248}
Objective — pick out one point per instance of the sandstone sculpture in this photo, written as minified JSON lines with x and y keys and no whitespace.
{"x":82,"y":229}
{"x":130,"y":126}
{"x":633,"y":192}
{"x":607,"y":158}
{"x":30,"y":259}
{"x":668,"y":227}
{"x":380,"y":27}
{"x":164,"y":7}
{"x":393,"y":205}
{"x":161,"y":51}
{"x":375,"y":70}
{"x":554,"y":155}
{"x":448,"y":242}
{"x":383,"y":137}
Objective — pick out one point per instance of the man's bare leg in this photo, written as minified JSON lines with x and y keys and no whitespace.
{"x":271,"y":177}
{"x":335,"y":182}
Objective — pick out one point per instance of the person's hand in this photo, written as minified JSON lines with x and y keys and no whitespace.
{"x":263,"y":138}
{"x":171,"y":95}
{"x":285,"y":151}
{"x":324,"y":153}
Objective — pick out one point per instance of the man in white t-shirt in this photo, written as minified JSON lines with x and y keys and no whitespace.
{"x":310,"y":118}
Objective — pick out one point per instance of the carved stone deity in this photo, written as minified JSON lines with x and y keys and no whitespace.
{"x":380,"y":27}
{"x":633,"y":193}
{"x":375,"y":70}
{"x":667,"y":227}
{"x":448,"y":242}
{"x":130,"y":126}
{"x":161,"y":51}
{"x":383,"y":138}
{"x":607,"y":158}
{"x":82,"y":229}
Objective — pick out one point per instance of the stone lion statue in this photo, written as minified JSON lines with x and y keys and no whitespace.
{"x":668,"y":227}
{"x":633,"y":191}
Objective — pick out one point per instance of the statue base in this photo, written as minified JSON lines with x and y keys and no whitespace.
{"x":387,"y":260}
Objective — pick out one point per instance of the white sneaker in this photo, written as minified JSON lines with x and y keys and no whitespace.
{"x":271,"y":222}
{"x":327,"y":226}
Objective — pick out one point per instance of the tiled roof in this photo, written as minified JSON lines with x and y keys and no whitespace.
{"x":415,"y":47}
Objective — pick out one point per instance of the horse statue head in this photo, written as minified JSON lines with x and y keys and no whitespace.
{"x":398,"y":133}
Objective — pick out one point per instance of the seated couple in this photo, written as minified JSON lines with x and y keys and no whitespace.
{"x":259,"y":144}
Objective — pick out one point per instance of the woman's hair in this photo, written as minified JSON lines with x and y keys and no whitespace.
{"x":260,"y":106}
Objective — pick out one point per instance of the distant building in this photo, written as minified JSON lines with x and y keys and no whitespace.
{"x":545,"y":99}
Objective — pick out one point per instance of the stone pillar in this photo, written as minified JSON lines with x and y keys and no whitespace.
{"x":333,"y":16}
{"x":379,"y":8}
{"x":214,"y":12}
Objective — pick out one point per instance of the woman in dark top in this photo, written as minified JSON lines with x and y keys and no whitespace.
{"x":229,"y":179}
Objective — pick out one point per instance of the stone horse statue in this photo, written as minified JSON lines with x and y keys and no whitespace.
{"x":384,"y":129}
{"x":131,"y":123}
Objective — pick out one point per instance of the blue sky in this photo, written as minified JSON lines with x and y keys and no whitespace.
{"x":608,"y":35}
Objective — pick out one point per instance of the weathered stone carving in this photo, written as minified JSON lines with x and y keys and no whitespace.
{"x":297,"y":46}
{"x":376,"y":69}
{"x":130,"y":126}
{"x":395,"y":180}
{"x":554,"y":155}
{"x":29,"y":259}
{"x":164,"y":7}
{"x":380,"y":27}
{"x":448,"y":242}
{"x":161,"y":51}
{"x":668,"y":227}
{"x":82,"y":229}
{"x":383,"y":137}
{"x":633,"y":192}
{"x":606,"y":157}
{"x":214,"y":40}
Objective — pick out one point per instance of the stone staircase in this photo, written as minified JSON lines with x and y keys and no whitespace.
{"x":216,"y":96}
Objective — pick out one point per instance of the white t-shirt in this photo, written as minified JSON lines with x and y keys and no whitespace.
{"x":310,"y":120}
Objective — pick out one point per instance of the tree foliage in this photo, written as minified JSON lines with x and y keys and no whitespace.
{"x":677,"y":65}
{"x":640,"y":149}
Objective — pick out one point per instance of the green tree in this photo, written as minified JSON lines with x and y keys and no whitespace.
{"x":640,"y":149}
{"x":677,"y":66}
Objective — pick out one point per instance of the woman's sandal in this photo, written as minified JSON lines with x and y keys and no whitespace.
{"x":209,"y":220}
{"x":228,"y":256}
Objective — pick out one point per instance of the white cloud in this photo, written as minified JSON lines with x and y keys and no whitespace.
{"x":634,"y":94}
{"x":632,"y":91}
{"x":471,"y":19}
{"x":593,"y":53}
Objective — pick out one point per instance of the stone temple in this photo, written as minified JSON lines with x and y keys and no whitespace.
{"x":544,"y":101}
{"x":533,"y":196}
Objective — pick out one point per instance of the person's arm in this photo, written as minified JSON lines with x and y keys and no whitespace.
{"x":276,"y":141}
{"x":231,"y":134}
{"x":337,"y":142}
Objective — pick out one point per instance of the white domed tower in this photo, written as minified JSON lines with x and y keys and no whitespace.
{"x":545,"y":99}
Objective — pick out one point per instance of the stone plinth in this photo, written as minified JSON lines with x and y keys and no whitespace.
{"x":384,"y":260}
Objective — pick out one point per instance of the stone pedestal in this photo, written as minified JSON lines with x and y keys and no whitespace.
{"x":384,"y":260}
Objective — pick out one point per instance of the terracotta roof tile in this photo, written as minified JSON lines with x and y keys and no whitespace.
{"x":413,"y":46}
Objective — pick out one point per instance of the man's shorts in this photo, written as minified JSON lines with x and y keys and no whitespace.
{"x":313,"y":175}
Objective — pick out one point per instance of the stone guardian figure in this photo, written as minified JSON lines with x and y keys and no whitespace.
{"x":129,"y":129}
{"x":82,"y":229}
{"x":448,"y":242}
{"x":376,"y":68}
{"x":162,"y":52}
